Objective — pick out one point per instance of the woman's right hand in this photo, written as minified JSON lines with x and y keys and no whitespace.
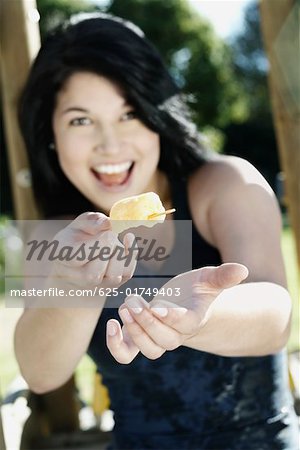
{"x":93,"y":231}
{"x":54,"y":332}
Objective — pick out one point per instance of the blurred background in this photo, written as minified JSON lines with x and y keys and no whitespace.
{"x":214,"y":50}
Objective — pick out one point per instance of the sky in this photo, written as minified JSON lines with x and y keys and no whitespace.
{"x":226,"y":16}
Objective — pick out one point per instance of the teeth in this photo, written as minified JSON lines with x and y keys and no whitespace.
{"x":113,"y":168}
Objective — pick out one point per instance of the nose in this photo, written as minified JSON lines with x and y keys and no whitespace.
{"x":107,"y":141}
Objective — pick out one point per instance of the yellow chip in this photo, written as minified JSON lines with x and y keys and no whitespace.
{"x":137,"y":208}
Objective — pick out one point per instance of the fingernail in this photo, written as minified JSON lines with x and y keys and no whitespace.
{"x":92,"y":216}
{"x":125,"y":315}
{"x":160,"y":311}
{"x":111,"y":329}
{"x":137,"y":310}
{"x":134,"y":305}
{"x":128,"y":242}
{"x":104,"y":223}
{"x":129,"y":238}
{"x":99,"y":219}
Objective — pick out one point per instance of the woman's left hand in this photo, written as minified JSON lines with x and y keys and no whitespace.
{"x":152,"y":328}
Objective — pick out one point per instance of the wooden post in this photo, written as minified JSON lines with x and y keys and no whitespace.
{"x":2,"y":441}
{"x":20,"y":42}
{"x":280,"y":29}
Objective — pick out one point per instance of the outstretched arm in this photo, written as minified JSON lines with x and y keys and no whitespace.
{"x":220,"y":316}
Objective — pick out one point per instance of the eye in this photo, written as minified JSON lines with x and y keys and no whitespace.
{"x":80,"y":121}
{"x":129,"y":115}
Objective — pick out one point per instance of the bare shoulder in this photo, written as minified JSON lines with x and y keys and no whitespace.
{"x":235,"y":210}
{"x":222,"y":180}
{"x":209,"y":181}
{"x":225,"y":171}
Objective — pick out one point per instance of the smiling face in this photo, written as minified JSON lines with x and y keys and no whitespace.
{"x":103,"y":148}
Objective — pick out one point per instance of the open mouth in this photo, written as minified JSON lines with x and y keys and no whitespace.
{"x":112,"y":175}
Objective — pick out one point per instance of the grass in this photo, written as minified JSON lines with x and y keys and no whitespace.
{"x":86,"y":368}
{"x":289,"y":254}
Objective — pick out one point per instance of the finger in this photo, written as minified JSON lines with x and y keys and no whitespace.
{"x":115,"y":267}
{"x":91,"y":223}
{"x":139,"y":337}
{"x":222,"y":277}
{"x":131,"y":250}
{"x":77,"y":276}
{"x":160,"y":333}
{"x":94,"y":271}
{"x":109,"y":261}
{"x":183,"y":320}
{"x":123,"y":352}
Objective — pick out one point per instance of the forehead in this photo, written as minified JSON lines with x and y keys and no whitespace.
{"x":90,"y":90}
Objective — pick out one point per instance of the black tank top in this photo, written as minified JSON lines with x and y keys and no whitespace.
{"x":189,"y":399}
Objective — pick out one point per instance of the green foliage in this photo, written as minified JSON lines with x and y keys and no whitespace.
{"x":251,"y":64}
{"x":3,"y":225}
{"x":290,"y":259}
{"x":168,"y":24}
{"x":254,"y":139}
{"x":199,"y":61}
{"x":214,"y":138}
{"x":53,"y":12}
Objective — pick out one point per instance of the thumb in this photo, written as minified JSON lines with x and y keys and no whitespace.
{"x":91,"y":223}
{"x":222,"y":277}
{"x":211,"y":281}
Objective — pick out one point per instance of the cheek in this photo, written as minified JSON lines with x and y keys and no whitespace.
{"x":71,"y":162}
{"x":69,"y":145}
{"x":150,"y":145}
{"x":70,"y":151}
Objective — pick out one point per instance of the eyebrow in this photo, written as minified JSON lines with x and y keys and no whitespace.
{"x":74,"y":108}
{"x":79,"y":109}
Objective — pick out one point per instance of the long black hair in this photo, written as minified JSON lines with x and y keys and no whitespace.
{"x":115,"y":48}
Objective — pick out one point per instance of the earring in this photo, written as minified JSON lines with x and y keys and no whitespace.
{"x":51,"y":146}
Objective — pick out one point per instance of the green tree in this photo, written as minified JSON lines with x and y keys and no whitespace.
{"x":251,"y":64}
{"x":254,"y":139}
{"x":53,"y":12}
{"x":199,"y":61}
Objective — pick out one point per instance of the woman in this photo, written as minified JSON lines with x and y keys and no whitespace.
{"x":102,"y":120}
